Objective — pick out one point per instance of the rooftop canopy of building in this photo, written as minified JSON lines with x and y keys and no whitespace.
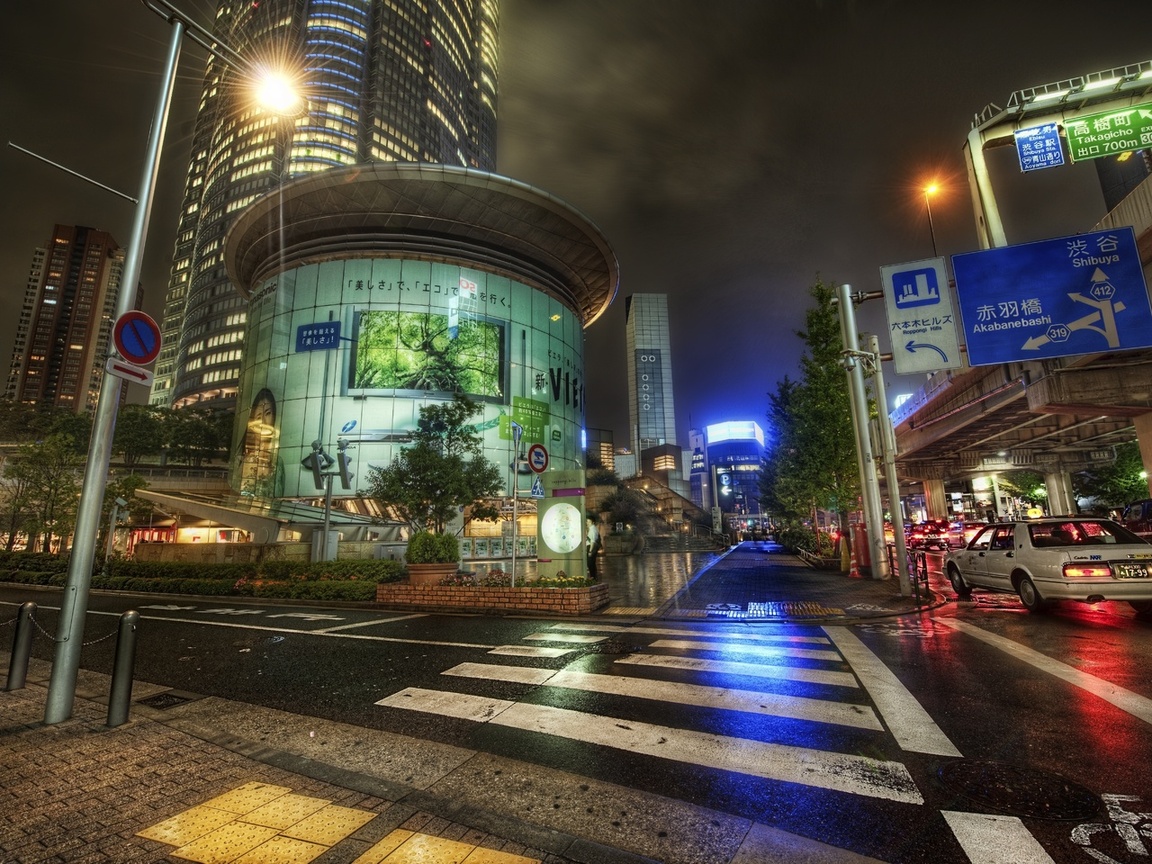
{"x":431,"y":211}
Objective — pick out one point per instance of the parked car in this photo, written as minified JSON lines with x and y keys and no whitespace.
{"x":1058,"y":558}
{"x":961,"y":533}
{"x":932,"y":534}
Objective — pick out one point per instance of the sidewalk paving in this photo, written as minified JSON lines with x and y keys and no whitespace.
{"x":210,"y":780}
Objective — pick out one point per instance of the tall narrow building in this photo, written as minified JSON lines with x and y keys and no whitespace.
{"x":651,"y":409}
{"x":385,"y":80}
{"x":66,"y":320}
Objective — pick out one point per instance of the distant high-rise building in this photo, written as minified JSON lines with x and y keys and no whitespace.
{"x":66,"y":321}
{"x":385,"y":80}
{"x":651,"y":410}
{"x":1120,"y":174}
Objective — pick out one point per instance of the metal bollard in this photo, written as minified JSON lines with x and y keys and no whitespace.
{"x":21,"y":647}
{"x":120,"y":695}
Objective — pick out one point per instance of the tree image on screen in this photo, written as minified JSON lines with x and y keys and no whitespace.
{"x":416,"y":351}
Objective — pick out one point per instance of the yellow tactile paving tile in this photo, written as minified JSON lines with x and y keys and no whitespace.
{"x":246,"y":798}
{"x":262,"y":824}
{"x":282,"y":850}
{"x":407,"y":847}
{"x":185,"y":827}
{"x":329,"y":825}
{"x":285,"y":811}
{"x":480,"y":855}
{"x":225,"y":844}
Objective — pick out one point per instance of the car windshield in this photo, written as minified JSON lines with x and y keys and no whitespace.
{"x":1080,"y":532}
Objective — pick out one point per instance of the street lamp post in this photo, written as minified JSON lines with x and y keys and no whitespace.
{"x":930,"y":190}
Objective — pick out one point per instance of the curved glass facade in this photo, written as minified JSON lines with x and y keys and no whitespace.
{"x":353,"y":348}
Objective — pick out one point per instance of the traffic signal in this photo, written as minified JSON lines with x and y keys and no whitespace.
{"x":344,"y":461}
{"x":317,"y":462}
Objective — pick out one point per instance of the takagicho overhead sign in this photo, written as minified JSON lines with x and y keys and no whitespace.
{"x":1110,"y":132}
{"x":1083,"y":294}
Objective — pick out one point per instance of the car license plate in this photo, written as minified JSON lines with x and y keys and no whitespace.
{"x":1130,"y":571}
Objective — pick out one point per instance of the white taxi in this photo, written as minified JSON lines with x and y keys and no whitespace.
{"x":1061,"y":558}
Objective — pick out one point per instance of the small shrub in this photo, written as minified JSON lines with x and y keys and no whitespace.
{"x":424,"y":547}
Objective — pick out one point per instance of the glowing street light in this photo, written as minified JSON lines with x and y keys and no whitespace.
{"x":930,"y":190}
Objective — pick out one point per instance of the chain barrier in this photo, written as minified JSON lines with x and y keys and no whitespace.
{"x":51,"y":638}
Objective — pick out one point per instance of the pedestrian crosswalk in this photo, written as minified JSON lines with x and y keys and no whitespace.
{"x":683,"y":669}
{"x":737,"y":702}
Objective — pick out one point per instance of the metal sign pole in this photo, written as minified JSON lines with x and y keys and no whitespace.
{"x":517,"y":431}
{"x":74,"y":605}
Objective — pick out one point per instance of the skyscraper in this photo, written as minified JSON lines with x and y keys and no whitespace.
{"x":66,"y":321}
{"x":651,"y":409}
{"x":385,"y":80}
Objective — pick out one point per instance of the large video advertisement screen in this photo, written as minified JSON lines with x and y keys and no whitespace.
{"x":409,"y":353}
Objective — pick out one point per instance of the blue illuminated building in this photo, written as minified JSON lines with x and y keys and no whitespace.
{"x":726,"y":463}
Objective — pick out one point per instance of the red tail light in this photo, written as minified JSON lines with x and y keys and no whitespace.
{"x":1083,"y":570}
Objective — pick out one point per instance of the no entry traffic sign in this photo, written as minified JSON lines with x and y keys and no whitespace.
{"x":137,"y":337}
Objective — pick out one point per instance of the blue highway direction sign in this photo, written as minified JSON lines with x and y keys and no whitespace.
{"x":1083,"y":294}
{"x":921,"y":321}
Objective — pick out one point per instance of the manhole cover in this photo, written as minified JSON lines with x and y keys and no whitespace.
{"x":1018,"y":791}
{"x":161,"y":701}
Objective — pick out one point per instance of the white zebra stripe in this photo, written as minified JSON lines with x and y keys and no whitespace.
{"x":752,"y":670}
{"x":747,"y":701}
{"x":754,"y":650}
{"x":841,"y":772}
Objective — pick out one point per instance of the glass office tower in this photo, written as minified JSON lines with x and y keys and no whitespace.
{"x":385,"y":80}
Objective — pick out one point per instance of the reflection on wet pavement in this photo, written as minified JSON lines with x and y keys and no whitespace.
{"x":648,"y":581}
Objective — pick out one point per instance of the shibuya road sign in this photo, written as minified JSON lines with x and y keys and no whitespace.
{"x":1083,"y":294}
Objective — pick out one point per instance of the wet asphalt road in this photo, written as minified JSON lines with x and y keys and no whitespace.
{"x":1025,"y":698}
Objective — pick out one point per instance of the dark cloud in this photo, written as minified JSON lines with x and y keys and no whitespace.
{"x":731,"y":150}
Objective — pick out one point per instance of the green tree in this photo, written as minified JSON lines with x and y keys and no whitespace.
{"x":15,"y":502}
{"x":1116,"y":484}
{"x":443,"y":470}
{"x":197,"y":435}
{"x":51,"y":470}
{"x":123,"y":486}
{"x":139,"y":433}
{"x":811,"y":460}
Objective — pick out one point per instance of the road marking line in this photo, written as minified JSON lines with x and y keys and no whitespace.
{"x":1138,"y":706}
{"x":462,"y":706}
{"x":988,"y":839}
{"x":491,"y":672}
{"x":911,"y":726}
{"x":747,"y":701}
{"x":573,"y":638}
{"x":841,"y":772}
{"x":530,"y":651}
{"x":755,"y":670}
{"x":756,"y":650}
{"x":370,"y":623}
{"x":672,"y":631}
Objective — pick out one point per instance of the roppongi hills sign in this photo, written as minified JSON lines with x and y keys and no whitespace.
{"x":408,"y":332}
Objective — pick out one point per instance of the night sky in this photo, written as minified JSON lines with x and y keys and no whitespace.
{"x":733,"y":151}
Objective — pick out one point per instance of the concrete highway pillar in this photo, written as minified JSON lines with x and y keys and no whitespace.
{"x":934,"y":499}
{"x":1143,"y":425}
{"x":1061,"y":500}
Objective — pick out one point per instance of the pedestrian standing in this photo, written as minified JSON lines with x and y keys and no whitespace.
{"x":592,"y":543}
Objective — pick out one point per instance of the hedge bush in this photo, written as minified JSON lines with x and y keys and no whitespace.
{"x":302,"y":580}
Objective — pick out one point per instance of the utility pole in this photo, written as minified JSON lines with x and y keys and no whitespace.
{"x":869,"y":483}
